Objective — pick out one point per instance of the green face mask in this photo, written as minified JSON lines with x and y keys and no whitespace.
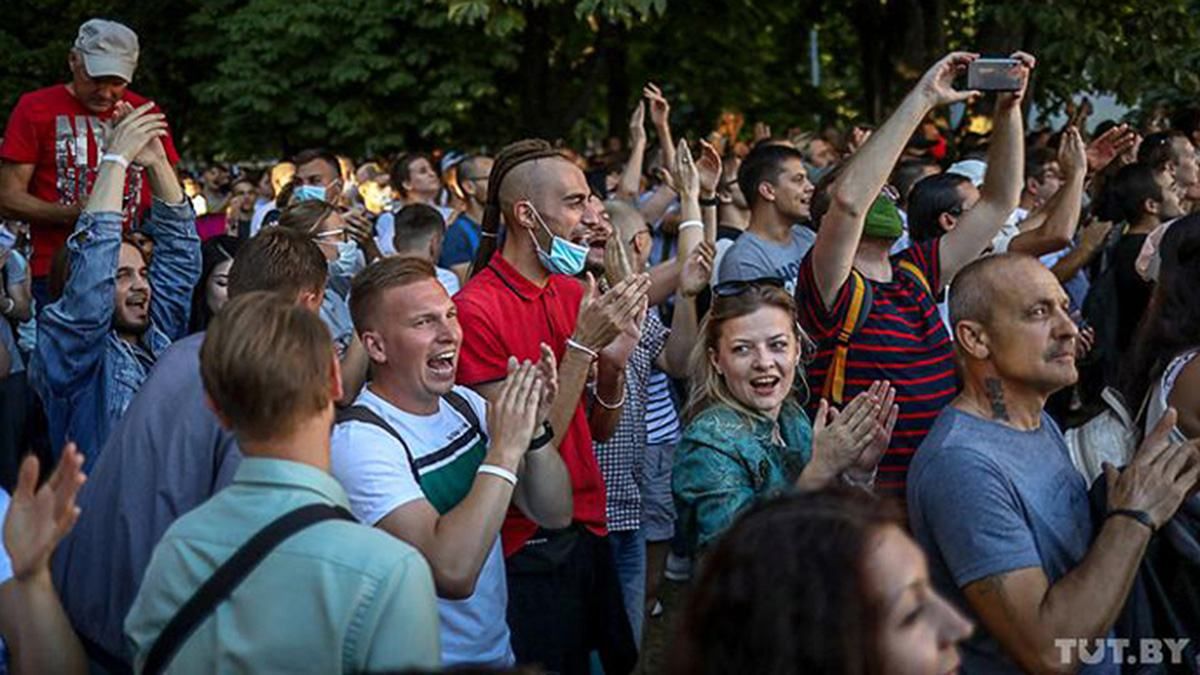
{"x":883,"y":220}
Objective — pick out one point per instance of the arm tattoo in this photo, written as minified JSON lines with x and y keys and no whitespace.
{"x":995,"y":394}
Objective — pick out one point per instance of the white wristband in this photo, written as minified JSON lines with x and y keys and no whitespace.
{"x":499,"y":472}
{"x":114,"y":157}
{"x":690,"y":223}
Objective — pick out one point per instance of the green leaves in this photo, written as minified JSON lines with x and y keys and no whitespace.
{"x":263,"y":78}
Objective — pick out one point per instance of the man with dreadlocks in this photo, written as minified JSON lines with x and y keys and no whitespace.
{"x":564,"y":597}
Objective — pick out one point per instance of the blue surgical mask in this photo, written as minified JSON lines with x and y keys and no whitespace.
{"x":308,"y":193}
{"x":349,"y":262}
{"x":564,"y":257}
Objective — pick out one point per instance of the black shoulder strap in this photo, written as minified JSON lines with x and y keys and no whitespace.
{"x":358,"y":413}
{"x":463,"y":407}
{"x":227,"y":577}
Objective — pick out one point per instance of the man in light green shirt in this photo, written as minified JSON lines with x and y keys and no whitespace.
{"x":335,"y":597}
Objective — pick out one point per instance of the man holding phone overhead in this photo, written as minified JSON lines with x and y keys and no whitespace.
{"x":874,"y":315}
{"x":56,"y":137}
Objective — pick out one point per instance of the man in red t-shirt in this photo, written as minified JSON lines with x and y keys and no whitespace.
{"x":564,"y":597}
{"x":56,"y":136}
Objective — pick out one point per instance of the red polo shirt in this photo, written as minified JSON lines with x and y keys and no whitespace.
{"x":502,"y":313}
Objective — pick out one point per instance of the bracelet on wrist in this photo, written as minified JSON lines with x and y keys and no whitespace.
{"x":690,"y":223}
{"x":606,"y":405}
{"x":1140,"y":516}
{"x":709,"y":201}
{"x":578,"y":346}
{"x":499,"y":472}
{"x":543,"y":439}
{"x":115,"y":158}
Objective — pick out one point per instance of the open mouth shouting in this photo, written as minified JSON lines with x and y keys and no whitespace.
{"x":765,"y":385}
{"x":442,"y":364}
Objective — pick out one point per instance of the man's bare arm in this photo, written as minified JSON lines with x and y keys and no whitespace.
{"x":18,"y":204}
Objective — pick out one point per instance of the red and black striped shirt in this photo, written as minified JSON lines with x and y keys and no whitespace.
{"x":903,"y":340}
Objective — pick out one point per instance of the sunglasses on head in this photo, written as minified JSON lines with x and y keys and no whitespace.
{"x":728,"y":289}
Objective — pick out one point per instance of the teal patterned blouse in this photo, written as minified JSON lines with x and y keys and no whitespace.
{"x":727,"y":460}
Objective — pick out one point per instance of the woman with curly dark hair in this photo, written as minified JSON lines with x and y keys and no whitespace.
{"x":818,"y":582}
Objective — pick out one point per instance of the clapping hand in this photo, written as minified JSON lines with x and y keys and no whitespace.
{"x":39,"y":518}
{"x":513,"y":416}
{"x":136,"y":133}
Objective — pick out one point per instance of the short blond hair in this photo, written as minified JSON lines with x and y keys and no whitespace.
{"x":267,"y":364}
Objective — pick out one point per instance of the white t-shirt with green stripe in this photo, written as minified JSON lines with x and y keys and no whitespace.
{"x":446,"y":451}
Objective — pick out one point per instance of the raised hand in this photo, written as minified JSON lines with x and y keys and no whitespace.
{"x":547,"y":368}
{"x":1159,"y":476}
{"x":38,"y":520}
{"x":937,"y":84}
{"x":762,"y":132}
{"x":1026,"y":64}
{"x":621,"y":348}
{"x":617,"y":266}
{"x":151,"y":149}
{"x":1072,"y":156}
{"x":602,"y":318}
{"x":1108,"y":146}
{"x":1093,"y":235}
{"x":858,"y":137}
{"x":696,"y":271}
{"x":660,"y":109}
{"x":513,"y":416}
{"x":709,"y":168}
{"x":684,"y":176}
{"x":637,"y":125}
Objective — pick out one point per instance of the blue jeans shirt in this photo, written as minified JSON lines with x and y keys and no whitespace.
{"x":86,"y":374}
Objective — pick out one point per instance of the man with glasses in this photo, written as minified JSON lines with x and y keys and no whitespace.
{"x":56,"y":138}
{"x":626,"y":459}
{"x":462,"y":235}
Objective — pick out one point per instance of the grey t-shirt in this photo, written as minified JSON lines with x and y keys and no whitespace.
{"x":985,"y":499}
{"x":752,"y":257}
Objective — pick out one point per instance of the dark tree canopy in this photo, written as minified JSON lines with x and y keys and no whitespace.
{"x":257,"y":78}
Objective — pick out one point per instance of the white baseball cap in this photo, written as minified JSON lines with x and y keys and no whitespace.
{"x":973,"y":169}
{"x":108,"y":49}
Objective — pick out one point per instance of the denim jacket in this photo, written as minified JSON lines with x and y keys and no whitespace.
{"x":726,"y":461}
{"x":86,"y":374}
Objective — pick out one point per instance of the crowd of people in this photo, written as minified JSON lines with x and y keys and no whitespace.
{"x":907,"y":401}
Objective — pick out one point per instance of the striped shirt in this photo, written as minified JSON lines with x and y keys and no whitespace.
{"x":903,"y":340}
{"x":662,"y":418}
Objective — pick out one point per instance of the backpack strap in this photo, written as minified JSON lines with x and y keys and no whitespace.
{"x":229,"y":575}
{"x":856,"y":316}
{"x":463,"y":408}
{"x":359,"y":413}
{"x":915,"y":272}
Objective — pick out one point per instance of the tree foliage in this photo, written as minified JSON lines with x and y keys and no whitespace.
{"x":259,"y":78}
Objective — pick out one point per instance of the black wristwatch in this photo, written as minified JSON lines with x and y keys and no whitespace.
{"x":542,"y":440}
{"x":711,"y":201}
{"x":1140,"y":516}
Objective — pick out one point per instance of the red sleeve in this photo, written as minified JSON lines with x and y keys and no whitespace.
{"x":926,"y":255}
{"x":20,"y":138}
{"x":482,"y":357}
{"x":814,"y":317}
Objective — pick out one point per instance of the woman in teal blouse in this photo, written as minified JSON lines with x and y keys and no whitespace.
{"x":747,"y":436}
